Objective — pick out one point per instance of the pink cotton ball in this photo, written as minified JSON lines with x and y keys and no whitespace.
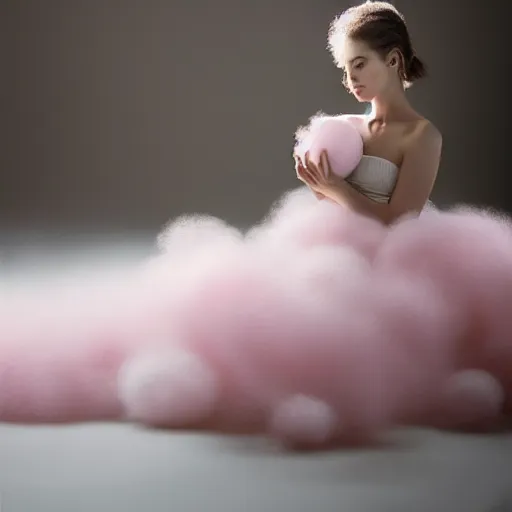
{"x":473,"y":398}
{"x":330,"y":224}
{"x":337,"y":136}
{"x":190,"y":233}
{"x":296,"y":222}
{"x":167,"y":387}
{"x":303,"y":421}
{"x":465,"y":254}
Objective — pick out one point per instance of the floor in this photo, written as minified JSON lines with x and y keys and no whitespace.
{"x":109,"y":468}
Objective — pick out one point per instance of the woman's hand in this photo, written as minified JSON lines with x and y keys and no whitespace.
{"x":298,"y":170}
{"x":319,"y":178}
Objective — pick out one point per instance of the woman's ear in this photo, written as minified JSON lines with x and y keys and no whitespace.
{"x":394,"y":59}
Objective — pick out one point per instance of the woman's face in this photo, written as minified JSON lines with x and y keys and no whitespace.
{"x":367,"y":73}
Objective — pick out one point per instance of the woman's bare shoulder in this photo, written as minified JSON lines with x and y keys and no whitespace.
{"x":426,"y":132}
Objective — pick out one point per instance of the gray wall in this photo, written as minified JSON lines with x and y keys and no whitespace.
{"x":125,"y":114}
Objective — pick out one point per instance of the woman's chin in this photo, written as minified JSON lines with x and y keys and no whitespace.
{"x":358,"y":96}
{"x":362,"y":98}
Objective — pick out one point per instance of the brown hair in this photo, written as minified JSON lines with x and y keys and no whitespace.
{"x":383,"y":28}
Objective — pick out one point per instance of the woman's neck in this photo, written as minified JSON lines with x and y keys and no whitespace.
{"x":391,"y":108}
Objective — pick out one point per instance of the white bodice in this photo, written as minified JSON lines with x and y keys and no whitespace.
{"x":375,"y":177}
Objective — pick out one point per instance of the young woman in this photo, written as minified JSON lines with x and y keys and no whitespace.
{"x":371,"y":43}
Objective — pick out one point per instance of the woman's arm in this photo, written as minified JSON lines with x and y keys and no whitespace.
{"x":416,"y":180}
{"x":418,"y":172}
{"x":346,"y":195}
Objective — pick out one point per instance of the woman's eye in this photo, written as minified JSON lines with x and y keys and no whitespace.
{"x":359,"y":65}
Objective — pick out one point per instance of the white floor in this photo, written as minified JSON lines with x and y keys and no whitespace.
{"x":109,"y":468}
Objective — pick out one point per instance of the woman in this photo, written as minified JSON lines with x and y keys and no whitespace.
{"x":371,"y":44}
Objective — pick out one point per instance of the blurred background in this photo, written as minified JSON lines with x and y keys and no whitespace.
{"x":118,"y":116}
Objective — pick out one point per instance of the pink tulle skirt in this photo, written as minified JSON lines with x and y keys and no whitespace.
{"x":317,"y":324}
